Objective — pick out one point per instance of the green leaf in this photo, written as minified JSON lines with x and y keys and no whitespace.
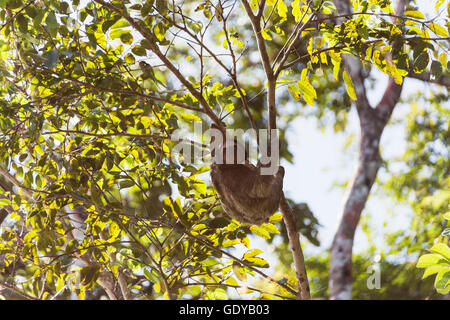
{"x":106,"y":25}
{"x":129,"y":58}
{"x":309,"y":93}
{"x":336,"y":68}
{"x":126,"y":184}
{"x":52,"y":23}
{"x":5,"y":202}
{"x":252,"y":253}
{"x":258,"y":262}
{"x":265,"y":34}
{"x":349,"y":84}
{"x":443,"y":61}
{"x":117,"y":33}
{"x":282,"y":9}
{"x":231,"y":281}
{"x":23,"y":23}
{"x":436,"y":68}
{"x":260,"y":232}
{"x":51,"y":59}
{"x":219,"y":222}
{"x":89,"y":275}
{"x":442,"y":281}
{"x":71,"y":246}
{"x":421,"y":62}
{"x":429,"y":260}
{"x":220,"y":294}
{"x":414,"y":14}
{"x":150,"y":275}
{"x":447,"y":215}
{"x":277,"y":217}
{"x":270,"y":227}
{"x":159,"y":33}
{"x":328,"y":7}
{"x":432,"y":270}
{"x":139,"y":51}
{"x":306,"y":88}
{"x":439,"y":30}
{"x":126,"y":37}
{"x":239,"y":272}
{"x":294,"y":91}
{"x":442,"y":249}
{"x":122,"y":23}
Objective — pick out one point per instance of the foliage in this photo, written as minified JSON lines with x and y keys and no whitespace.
{"x":423,"y":180}
{"x":93,"y":203}
{"x":437,"y":263}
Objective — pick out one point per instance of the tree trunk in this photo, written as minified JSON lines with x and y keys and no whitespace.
{"x":340,"y":279}
{"x":372,"y":124}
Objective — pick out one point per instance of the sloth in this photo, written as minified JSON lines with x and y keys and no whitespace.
{"x":246,"y":195}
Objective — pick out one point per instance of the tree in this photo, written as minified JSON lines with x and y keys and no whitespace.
{"x":92,"y":92}
{"x":372,"y":123}
{"x":423,"y":182}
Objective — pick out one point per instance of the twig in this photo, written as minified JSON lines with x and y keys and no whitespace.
{"x":16,"y":182}
{"x":271,"y":79}
{"x":14,"y":16}
{"x":154,"y":47}
{"x":17,"y":291}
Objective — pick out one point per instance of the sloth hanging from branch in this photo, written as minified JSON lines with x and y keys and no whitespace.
{"x":250,"y":194}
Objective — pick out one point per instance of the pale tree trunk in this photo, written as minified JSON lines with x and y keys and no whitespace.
{"x":372,"y":124}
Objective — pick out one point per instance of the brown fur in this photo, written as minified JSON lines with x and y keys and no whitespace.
{"x":245,"y":194}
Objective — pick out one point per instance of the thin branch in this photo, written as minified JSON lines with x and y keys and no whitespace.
{"x":145,"y":96}
{"x":426,"y":76}
{"x":234,"y":71}
{"x":265,"y":60}
{"x":17,"y":291}
{"x":296,"y":248}
{"x":230,"y":72}
{"x":211,"y":246}
{"x":155,"y":49}
{"x":16,"y":182}
{"x":294,"y":36}
{"x":288,"y":216}
{"x":124,"y":134}
{"x":17,"y":13}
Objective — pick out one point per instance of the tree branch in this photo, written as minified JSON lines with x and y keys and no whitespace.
{"x":297,"y":253}
{"x":155,"y":49}
{"x":426,"y":76}
{"x":265,"y":60}
{"x":293,"y":38}
{"x":289,"y":219}
{"x":16,"y":182}
{"x":372,"y":124}
{"x":17,"y":291}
